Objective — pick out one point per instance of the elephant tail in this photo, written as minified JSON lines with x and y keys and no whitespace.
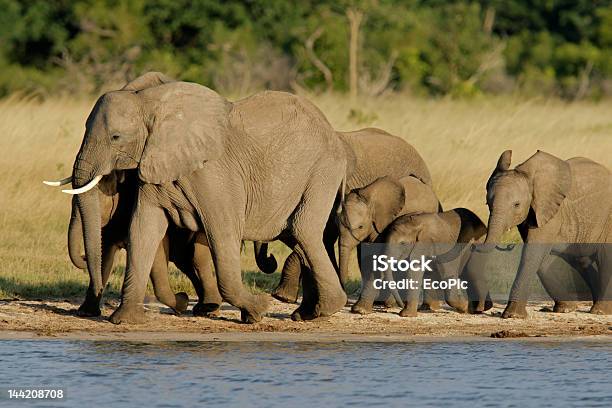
{"x":341,"y":195}
{"x":266,"y":263}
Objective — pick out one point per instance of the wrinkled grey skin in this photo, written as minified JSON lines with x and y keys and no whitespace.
{"x":444,"y":237}
{"x":554,"y":203}
{"x":186,"y":249}
{"x":371,"y":154}
{"x":266,"y":167}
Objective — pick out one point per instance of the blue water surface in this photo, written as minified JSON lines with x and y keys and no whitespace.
{"x":297,"y":374}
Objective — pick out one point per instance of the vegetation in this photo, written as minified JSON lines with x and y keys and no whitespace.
{"x":460,"y":139}
{"x":433,"y":47}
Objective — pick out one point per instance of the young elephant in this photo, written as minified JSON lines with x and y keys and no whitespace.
{"x":369,"y":210}
{"x":443,"y":237}
{"x":555,"y":204}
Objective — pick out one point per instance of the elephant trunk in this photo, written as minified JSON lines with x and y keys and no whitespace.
{"x":89,"y":207}
{"x":345,"y":249}
{"x":266,"y":263}
{"x":495,"y":230}
{"x":75,"y":237}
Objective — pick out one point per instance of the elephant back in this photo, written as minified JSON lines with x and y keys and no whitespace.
{"x":377,"y":153}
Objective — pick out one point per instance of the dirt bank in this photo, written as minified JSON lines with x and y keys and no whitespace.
{"x":56,"y":319}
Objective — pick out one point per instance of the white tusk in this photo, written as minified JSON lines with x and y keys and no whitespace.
{"x":85,"y":188}
{"x":58,"y":183}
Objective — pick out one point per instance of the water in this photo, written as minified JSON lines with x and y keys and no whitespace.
{"x":244,"y":374}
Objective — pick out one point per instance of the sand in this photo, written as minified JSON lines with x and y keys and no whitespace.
{"x":29,"y":319}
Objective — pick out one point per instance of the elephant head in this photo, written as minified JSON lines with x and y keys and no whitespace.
{"x":366,"y":212}
{"x":162,"y":128}
{"x":532,"y":192}
{"x":408,"y":232}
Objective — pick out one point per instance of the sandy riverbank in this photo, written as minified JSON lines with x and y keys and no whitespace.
{"x":56,"y":319}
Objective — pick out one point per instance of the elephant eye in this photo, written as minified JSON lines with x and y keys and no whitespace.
{"x":115,"y":137}
{"x":517,"y":204}
{"x":360,"y":227}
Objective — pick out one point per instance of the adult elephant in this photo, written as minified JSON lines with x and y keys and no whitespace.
{"x":372,"y":154}
{"x":558,"y":206}
{"x":266,"y":167}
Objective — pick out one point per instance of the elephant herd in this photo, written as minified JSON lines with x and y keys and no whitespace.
{"x":172,"y":171}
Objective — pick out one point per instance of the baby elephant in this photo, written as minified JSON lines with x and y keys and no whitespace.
{"x":369,"y":210}
{"x":443,"y":237}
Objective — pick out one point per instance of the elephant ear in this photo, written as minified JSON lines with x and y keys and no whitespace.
{"x":386,"y":198}
{"x":503,"y":164}
{"x":504,"y":161}
{"x":188,"y":127}
{"x":148,"y":80}
{"x":551,"y":179}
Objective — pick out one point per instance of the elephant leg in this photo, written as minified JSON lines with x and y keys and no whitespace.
{"x":307,"y":228}
{"x":368,"y":293}
{"x":411,"y":303}
{"x":188,"y":270}
{"x":531,"y":260}
{"x":147,"y":229}
{"x":210,"y":304}
{"x":602,"y":284}
{"x":453,"y":297}
{"x":553,"y":287}
{"x":474,"y":271}
{"x":225,"y":251}
{"x":289,"y":286}
{"x":161,"y":282}
{"x":91,"y":304}
{"x":325,"y":285}
{"x":432,"y":297}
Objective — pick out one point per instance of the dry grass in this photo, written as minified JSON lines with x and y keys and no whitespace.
{"x":460,"y":140}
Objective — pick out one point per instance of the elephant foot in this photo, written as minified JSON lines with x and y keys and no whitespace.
{"x":565,"y":306}
{"x":479,"y":307}
{"x":361,"y":308}
{"x":515,"y":310}
{"x":323,"y":308}
{"x":132,"y":315}
{"x":459,"y":304}
{"x":389,"y":302}
{"x":181,"y":302}
{"x":430,"y":306}
{"x":206,"y":309}
{"x":255,"y":312}
{"x":408,"y":311}
{"x":285,"y":295}
{"x":602,"y":307}
{"x":88,"y":310}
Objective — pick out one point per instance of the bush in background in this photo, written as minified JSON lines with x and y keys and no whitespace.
{"x":435,"y":47}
